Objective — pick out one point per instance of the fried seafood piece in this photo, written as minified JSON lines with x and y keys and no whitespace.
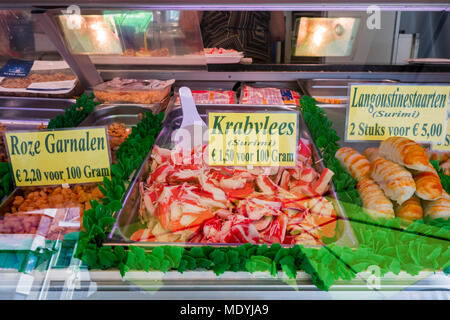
{"x":374,"y":200}
{"x":353,"y":162}
{"x":43,"y":198}
{"x":438,"y":208}
{"x":118,"y":133}
{"x":396,"y":182}
{"x":428,"y":185}
{"x":405,"y":152}
{"x":410,"y":210}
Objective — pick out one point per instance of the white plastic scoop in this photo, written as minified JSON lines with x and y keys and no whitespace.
{"x":192,"y":127}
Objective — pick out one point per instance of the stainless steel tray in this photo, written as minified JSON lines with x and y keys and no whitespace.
{"x":154,"y":107}
{"x":128,"y":220}
{"x":108,"y":114}
{"x":332,"y":88}
{"x":337,"y":116}
{"x":28,"y":113}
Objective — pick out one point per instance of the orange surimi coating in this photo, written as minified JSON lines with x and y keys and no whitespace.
{"x":428,"y":186}
{"x":405,"y":152}
{"x":374,"y":199}
{"x":410,"y":210}
{"x":353,"y":162}
{"x":396,"y":182}
{"x":371,"y":153}
{"x":438,"y":208}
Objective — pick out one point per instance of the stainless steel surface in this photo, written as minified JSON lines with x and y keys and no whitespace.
{"x":274,"y":76}
{"x":28,"y":113}
{"x":128,"y":219}
{"x":337,"y":116}
{"x":108,"y":114}
{"x":332,"y":87}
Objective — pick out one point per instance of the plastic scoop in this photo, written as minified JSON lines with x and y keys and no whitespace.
{"x":190,"y":133}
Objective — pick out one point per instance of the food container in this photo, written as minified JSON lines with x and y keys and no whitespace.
{"x":51,"y":223}
{"x":88,"y":191}
{"x":18,"y":113}
{"x":331,"y":92}
{"x":133,"y":91}
{"x":46,"y":79}
{"x":110,"y":115}
{"x":128,"y":217}
{"x":269,"y":94}
{"x":211,"y":97}
{"x":222,"y":56}
{"x":23,"y":223}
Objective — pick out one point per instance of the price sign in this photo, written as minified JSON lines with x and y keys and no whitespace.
{"x":44,"y":158}
{"x":253,"y":139}
{"x":445,"y":146}
{"x":417,"y":112}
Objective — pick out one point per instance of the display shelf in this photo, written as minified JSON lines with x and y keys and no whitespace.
{"x":200,"y":285}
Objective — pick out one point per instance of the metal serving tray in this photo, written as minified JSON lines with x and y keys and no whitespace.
{"x":28,"y":113}
{"x":154,"y":107}
{"x":128,"y":218}
{"x":332,"y":89}
{"x":108,"y":114}
{"x":337,"y":116}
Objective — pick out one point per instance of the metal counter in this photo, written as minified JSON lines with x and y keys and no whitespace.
{"x":29,"y":113}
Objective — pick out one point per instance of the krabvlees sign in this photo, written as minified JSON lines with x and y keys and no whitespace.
{"x":252,"y":139}
{"x":41,"y":158}
{"x":417,"y":112}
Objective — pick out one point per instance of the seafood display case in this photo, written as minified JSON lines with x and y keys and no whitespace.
{"x":359,"y":235}
{"x":130,"y":218}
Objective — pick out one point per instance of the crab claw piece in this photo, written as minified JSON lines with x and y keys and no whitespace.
{"x":242,"y":232}
{"x":321,"y":185}
{"x":212,"y":227}
{"x":276,"y":231}
{"x":184,"y":176}
{"x":160,"y":174}
{"x":263,"y":223}
{"x":232,"y":183}
{"x":244,"y":192}
{"x":208,"y":186}
{"x":266,"y":185}
{"x":142,"y":235}
{"x":302,"y":189}
{"x":285,"y":178}
{"x":308,"y":174}
{"x":161,"y":155}
{"x":304,"y":149}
